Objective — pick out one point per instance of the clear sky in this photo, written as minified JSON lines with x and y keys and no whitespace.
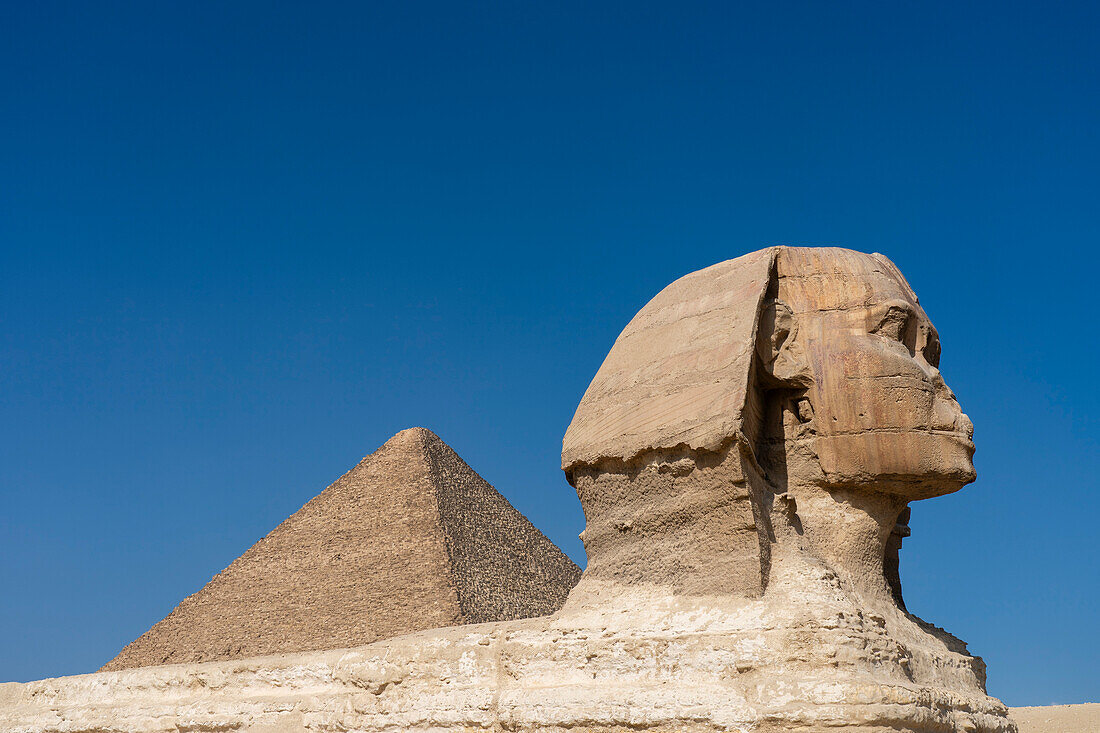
{"x":242,"y":244}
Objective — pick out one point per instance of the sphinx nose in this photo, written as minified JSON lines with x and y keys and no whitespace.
{"x":947,"y":414}
{"x":937,"y":381}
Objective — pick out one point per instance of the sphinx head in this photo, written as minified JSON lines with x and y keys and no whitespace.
{"x":791,"y":395}
{"x":843,"y":332}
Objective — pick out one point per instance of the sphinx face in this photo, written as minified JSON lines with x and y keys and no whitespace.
{"x":880,"y":413}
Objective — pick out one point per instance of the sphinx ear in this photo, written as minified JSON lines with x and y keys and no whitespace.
{"x":778,"y":350}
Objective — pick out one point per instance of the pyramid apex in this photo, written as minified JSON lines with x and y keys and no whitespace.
{"x":413,"y":436}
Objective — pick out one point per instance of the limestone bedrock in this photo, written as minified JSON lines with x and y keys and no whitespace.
{"x":745,"y":458}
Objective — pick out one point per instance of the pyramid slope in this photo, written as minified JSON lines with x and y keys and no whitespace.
{"x":366,"y":559}
{"x":504,"y":567}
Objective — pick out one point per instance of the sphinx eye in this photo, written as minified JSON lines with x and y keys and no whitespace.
{"x":894,"y":324}
{"x":932,"y":350}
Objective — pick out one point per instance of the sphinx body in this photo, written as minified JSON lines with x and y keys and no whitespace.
{"x":745,"y":457}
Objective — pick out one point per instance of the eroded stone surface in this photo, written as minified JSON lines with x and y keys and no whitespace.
{"x":661,"y":664}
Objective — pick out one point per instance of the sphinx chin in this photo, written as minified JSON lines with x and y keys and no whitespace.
{"x":916,"y":465}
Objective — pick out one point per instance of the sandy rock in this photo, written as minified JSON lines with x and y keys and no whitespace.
{"x":1058,"y":718}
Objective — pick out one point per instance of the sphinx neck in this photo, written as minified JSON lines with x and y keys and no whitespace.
{"x":678,"y":522}
{"x":849,"y":529}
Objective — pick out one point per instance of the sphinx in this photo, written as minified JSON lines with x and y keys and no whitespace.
{"x":786,"y":400}
{"x":745,"y":457}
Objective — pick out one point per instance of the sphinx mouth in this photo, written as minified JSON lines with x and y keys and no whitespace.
{"x":964,"y":439}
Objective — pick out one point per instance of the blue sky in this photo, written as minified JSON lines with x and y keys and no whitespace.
{"x":243,"y":244}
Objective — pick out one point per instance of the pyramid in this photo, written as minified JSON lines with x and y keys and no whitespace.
{"x":410,"y":539}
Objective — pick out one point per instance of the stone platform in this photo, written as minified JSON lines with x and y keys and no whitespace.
{"x":803,"y":658}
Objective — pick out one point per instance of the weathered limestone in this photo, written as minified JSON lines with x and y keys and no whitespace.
{"x":771,"y":418}
{"x":745,"y":458}
{"x":664,"y":664}
{"x":411,"y":538}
